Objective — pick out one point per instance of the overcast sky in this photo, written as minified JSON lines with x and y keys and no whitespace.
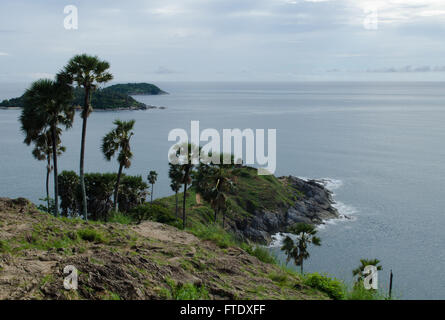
{"x":228,"y":40}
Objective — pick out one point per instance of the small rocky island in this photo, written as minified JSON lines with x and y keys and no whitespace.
{"x":112,"y":98}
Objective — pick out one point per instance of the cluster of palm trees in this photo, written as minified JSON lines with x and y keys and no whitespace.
{"x":48,"y":109}
{"x":213,"y":181}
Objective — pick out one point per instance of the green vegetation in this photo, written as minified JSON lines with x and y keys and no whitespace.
{"x":109,"y":98}
{"x":331,"y":286}
{"x":186,"y":291}
{"x":118,"y":139}
{"x":135,"y":89}
{"x":152,"y":178}
{"x":91,"y":235}
{"x":46,"y":108}
{"x":89,"y":73}
{"x":298,"y":251}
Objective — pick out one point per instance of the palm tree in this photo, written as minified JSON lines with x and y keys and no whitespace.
{"x":87,"y":72}
{"x":119,"y":139}
{"x":152,"y":177}
{"x":47,"y":105}
{"x":214,"y":182}
{"x":43,"y":151}
{"x":187,"y":155}
{"x":358,"y":272}
{"x":176,"y":178}
{"x":298,"y":251}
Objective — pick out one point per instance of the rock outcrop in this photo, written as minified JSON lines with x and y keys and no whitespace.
{"x":313,"y":205}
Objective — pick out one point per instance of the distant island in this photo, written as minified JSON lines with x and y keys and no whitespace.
{"x":115,"y":97}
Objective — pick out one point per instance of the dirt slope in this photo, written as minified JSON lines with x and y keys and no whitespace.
{"x":147,"y":261}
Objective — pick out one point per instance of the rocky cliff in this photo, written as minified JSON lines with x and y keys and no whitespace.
{"x":312,"y":204}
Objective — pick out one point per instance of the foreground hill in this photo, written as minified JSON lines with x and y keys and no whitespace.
{"x":145,"y":261}
{"x":115,"y":97}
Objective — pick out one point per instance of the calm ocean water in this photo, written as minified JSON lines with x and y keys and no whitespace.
{"x":381,"y":145}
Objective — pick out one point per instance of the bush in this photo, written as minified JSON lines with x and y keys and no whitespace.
{"x":100,"y":188}
{"x":91,"y":235}
{"x":153,"y":212}
{"x":334,"y":288}
{"x":186,"y":291}
{"x":132,"y":192}
{"x":263,"y":255}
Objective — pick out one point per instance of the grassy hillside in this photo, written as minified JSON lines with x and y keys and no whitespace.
{"x":115,"y":261}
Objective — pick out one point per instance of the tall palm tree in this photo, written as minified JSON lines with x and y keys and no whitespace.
{"x":87,"y":72}
{"x":152,"y":177}
{"x":47,"y":105}
{"x":358,"y":272}
{"x":119,"y":139}
{"x":176,"y":178}
{"x":188,"y":155}
{"x":306,"y":234}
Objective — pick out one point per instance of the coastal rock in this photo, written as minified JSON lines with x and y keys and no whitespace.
{"x":314,"y":205}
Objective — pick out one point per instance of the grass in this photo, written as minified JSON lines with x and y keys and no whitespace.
{"x":263,"y":255}
{"x":91,"y":235}
{"x":213,"y":233}
{"x":186,"y":291}
{"x":119,"y":217}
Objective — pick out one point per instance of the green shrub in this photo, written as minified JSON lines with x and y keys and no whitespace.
{"x":358,"y":292}
{"x":334,"y":288}
{"x":186,"y":291}
{"x":263,"y":255}
{"x":91,"y":235}
{"x":153,"y":212}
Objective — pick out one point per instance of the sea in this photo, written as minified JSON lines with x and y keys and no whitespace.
{"x":379,"y":147}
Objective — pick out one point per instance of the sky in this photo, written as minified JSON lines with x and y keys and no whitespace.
{"x":228,"y":40}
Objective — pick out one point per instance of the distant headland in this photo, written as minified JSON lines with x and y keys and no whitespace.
{"x":115,"y":97}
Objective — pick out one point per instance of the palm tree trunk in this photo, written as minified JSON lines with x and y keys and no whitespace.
{"x":183,"y":204}
{"x":116,"y":188}
{"x":82,"y":153}
{"x":176,"y":196}
{"x":301,"y":266}
{"x":216,"y":214}
{"x":224,"y":217}
{"x":186,"y":176}
{"x":56,"y":185}
{"x":152,"y":190}
{"x":48,"y":171}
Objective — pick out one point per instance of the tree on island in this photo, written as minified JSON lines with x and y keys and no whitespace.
{"x":87,"y":72}
{"x":152,"y":177}
{"x":298,"y":250}
{"x":46,"y":107}
{"x":119,"y":139}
